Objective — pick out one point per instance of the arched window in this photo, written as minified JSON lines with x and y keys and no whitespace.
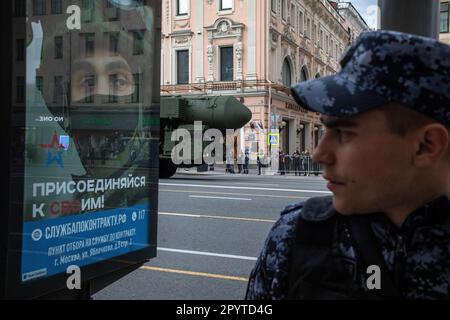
{"x":287,"y":74}
{"x":304,"y":74}
{"x":318,"y":75}
{"x":283,"y":9}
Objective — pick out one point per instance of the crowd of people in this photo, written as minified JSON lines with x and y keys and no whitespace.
{"x":298,"y":163}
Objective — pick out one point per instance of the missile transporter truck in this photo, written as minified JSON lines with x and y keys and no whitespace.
{"x":182,"y":112}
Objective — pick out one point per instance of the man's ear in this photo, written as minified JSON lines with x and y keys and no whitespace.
{"x":431,"y":144}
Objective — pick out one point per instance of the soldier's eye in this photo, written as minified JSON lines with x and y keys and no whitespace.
{"x":343,"y":135}
{"x":120,"y":83}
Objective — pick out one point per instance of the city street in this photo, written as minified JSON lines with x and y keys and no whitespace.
{"x":129,"y":125}
{"x":211,"y":229}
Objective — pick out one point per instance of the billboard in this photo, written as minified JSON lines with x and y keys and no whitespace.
{"x":85,"y":104}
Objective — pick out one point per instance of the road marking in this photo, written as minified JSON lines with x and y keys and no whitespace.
{"x":215,"y":217}
{"x":210,"y":254}
{"x":260,"y":184}
{"x":197,"y":274}
{"x":222,"y":198}
{"x":245,"y":188}
{"x":234,"y":194}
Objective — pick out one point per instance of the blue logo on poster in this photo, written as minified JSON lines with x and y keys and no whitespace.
{"x":58,"y":159}
{"x":58,"y":147}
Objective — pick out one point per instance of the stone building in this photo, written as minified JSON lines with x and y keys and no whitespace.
{"x":254,"y":50}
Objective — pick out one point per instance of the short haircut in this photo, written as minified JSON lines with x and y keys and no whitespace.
{"x":401,"y":119}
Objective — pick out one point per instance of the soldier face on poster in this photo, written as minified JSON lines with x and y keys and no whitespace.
{"x":88,"y":156}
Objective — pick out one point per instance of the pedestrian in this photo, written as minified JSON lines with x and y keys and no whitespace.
{"x":385,"y":232}
{"x":296,"y":160}
{"x":288,"y":163}
{"x":240,"y":162}
{"x":246,"y":162}
{"x":303,"y":162}
{"x":230,"y":163}
{"x":258,"y":160}
{"x":307,"y":162}
{"x":282,"y":162}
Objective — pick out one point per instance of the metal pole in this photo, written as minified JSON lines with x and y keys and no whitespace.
{"x":420,"y":17}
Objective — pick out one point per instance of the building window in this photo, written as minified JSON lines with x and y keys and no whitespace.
{"x":20,"y":47}
{"x":274,"y":6}
{"x":316,"y":35}
{"x":87,"y":10}
{"x":283,"y":9}
{"x":58,"y":89}
{"x":321,"y":39}
{"x":332,"y":48}
{"x":39,"y":7}
{"x":89,"y":87}
{"x":19,"y":8}
{"x":445,"y":17}
{"x":138,"y":88}
{"x":287,"y":74}
{"x":138,"y":42}
{"x":112,"y":12}
{"x":292,"y":19}
{"x":300,"y":22}
{"x":183,"y":66}
{"x":226,"y":64}
{"x":226,"y":4}
{"x":114,"y":43}
{"x":89,"y":44}
{"x":304,"y":75}
{"x":58,"y":47}
{"x":20,"y":89}
{"x":182,"y":7}
{"x":308,"y":28}
{"x":56,"y":6}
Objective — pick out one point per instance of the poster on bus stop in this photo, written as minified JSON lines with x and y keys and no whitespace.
{"x":88,"y":91}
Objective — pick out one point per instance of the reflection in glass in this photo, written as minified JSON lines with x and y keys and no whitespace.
{"x":87,"y":97}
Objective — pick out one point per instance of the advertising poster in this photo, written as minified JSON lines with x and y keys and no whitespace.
{"x":88,"y":92}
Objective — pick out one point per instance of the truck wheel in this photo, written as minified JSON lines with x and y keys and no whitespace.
{"x":166,"y":168}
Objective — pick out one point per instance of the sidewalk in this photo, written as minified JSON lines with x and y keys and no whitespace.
{"x":253,"y":170}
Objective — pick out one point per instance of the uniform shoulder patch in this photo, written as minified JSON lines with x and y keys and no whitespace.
{"x":318,"y":209}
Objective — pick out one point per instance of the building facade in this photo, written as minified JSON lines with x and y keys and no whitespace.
{"x":254,"y":50}
{"x":353,"y":21}
{"x":444,"y":22}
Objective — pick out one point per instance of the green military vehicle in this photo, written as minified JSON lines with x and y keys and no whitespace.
{"x":180,"y":112}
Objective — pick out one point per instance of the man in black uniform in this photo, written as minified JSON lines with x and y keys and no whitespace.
{"x":385,"y":232}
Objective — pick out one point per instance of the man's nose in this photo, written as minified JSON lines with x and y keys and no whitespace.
{"x":103,"y":86}
{"x":323,"y":153}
